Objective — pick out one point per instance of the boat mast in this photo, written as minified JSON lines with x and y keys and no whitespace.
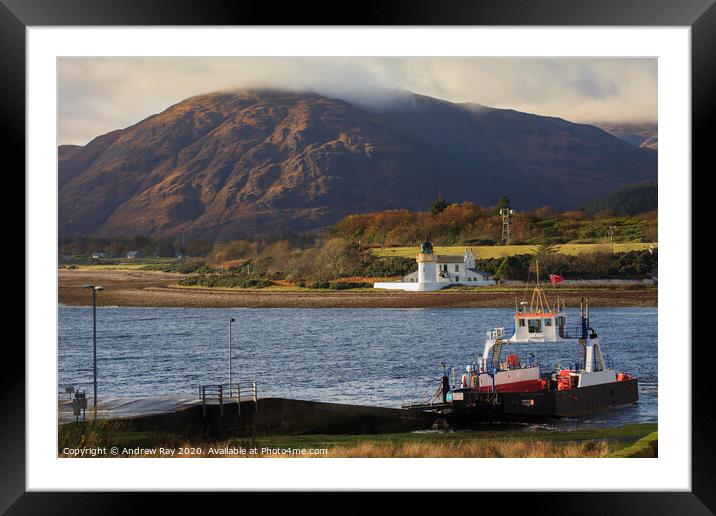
{"x":539,"y":300}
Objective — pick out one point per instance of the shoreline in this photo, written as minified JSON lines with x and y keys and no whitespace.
{"x":159,"y":289}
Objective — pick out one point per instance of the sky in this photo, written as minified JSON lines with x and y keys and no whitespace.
{"x":98,"y":95}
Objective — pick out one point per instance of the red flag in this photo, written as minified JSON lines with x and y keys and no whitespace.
{"x":555,"y":278}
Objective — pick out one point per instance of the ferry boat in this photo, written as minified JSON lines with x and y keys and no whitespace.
{"x":493,"y":388}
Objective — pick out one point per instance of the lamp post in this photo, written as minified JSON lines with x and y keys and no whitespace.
{"x":95,"y":289}
{"x":231,"y":320}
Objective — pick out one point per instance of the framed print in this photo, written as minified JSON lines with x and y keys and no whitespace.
{"x":427,"y":235}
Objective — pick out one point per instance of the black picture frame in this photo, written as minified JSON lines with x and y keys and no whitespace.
{"x":17,"y":15}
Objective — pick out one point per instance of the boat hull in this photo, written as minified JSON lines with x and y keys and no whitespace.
{"x":580,"y":401}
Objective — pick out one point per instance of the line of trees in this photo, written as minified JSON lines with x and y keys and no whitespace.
{"x":344,"y":252}
{"x":321,"y":266}
{"x":167,"y":248}
{"x":327,"y":265}
{"x":600,"y":264}
{"x":467,"y":223}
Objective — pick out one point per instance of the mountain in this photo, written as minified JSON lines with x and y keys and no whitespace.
{"x":639,"y":135}
{"x":628,"y":200}
{"x":232,"y":164}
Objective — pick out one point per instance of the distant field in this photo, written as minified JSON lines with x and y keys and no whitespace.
{"x":110,"y":267}
{"x":121,"y":264}
{"x":498,"y":251}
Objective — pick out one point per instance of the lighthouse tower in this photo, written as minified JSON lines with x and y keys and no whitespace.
{"x":427,"y":267}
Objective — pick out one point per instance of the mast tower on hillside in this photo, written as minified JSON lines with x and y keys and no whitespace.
{"x":506,"y":231}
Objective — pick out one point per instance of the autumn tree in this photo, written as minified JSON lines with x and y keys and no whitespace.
{"x":439,"y":205}
{"x":510,"y":268}
{"x":337,"y":258}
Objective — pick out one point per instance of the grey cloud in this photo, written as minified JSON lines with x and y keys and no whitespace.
{"x":98,"y":95}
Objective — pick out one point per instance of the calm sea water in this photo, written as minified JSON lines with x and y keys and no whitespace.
{"x":368,"y":356}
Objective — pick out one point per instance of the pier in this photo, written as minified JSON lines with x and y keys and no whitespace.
{"x":193,"y":416}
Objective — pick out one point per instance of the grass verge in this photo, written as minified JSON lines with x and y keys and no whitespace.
{"x":646,"y":447}
{"x":592,"y":442}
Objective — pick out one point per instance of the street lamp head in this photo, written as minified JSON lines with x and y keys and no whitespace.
{"x":96,"y":287}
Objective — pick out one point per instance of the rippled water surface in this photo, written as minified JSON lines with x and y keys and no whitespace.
{"x":369,"y":356}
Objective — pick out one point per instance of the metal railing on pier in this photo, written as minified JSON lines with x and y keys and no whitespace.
{"x":68,"y":391}
{"x":226,"y":393}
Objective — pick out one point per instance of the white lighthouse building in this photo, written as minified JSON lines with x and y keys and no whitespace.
{"x":427,"y":267}
{"x":439,"y":271}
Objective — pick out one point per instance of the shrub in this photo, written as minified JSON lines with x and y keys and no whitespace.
{"x":225,"y":281}
{"x":180,"y":266}
{"x":385,"y":267}
{"x":347,"y":285}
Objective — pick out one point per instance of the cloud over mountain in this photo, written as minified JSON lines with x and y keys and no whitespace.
{"x":97,"y":95}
